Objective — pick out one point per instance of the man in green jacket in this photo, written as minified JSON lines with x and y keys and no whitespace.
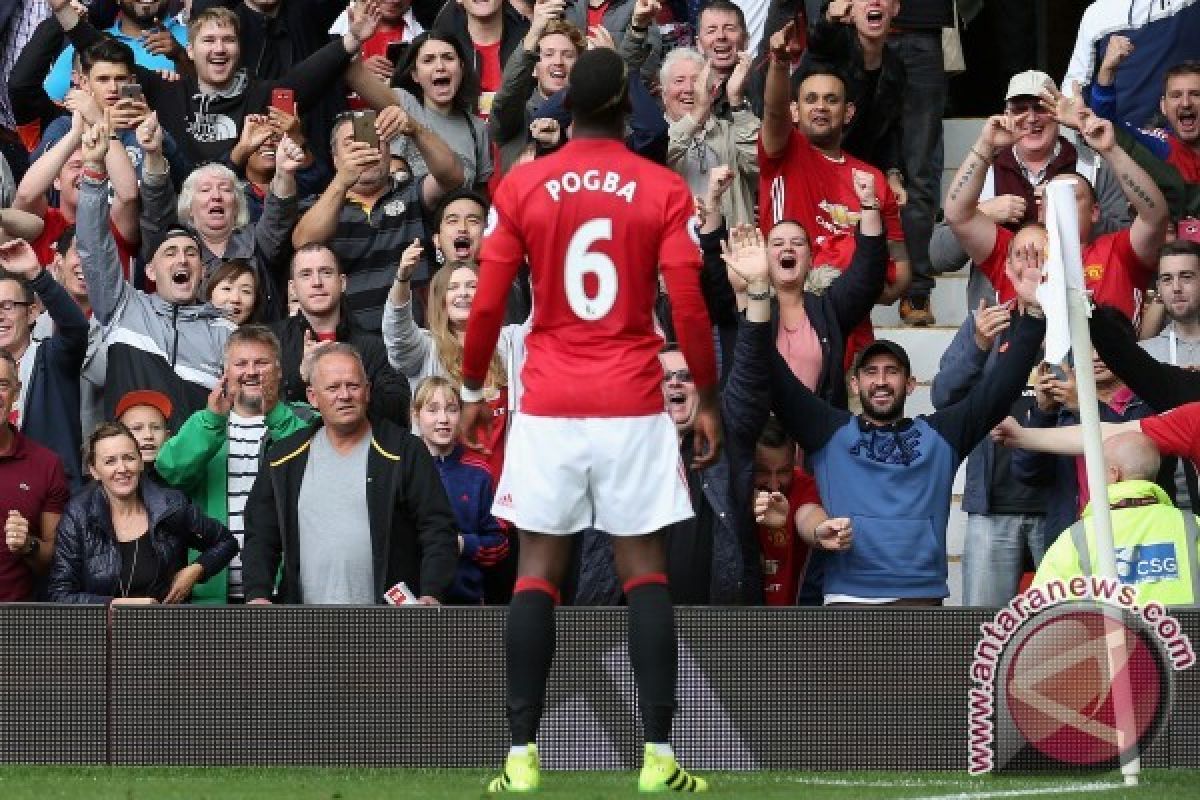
{"x":1155,"y":542}
{"x":216,"y":454}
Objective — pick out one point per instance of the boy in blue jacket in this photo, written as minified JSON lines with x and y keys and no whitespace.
{"x":482,"y":542}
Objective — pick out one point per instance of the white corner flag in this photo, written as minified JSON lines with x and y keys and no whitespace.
{"x":1063,"y":269}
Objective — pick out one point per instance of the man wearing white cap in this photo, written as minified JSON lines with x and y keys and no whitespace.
{"x":1118,"y":267}
{"x":1010,"y":193}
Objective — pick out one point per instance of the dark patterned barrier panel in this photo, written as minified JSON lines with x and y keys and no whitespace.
{"x":52,"y":698}
{"x":759,"y":689}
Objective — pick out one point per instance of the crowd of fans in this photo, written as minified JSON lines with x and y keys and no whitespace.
{"x":240,"y":240}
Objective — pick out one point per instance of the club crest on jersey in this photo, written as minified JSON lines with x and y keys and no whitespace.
{"x":394,"y":208}
{"x":591,"y":180}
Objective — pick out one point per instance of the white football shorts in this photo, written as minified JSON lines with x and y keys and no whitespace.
{"x":620,"y":475}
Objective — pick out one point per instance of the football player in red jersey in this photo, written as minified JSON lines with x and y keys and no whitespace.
{"x":591,"y":445}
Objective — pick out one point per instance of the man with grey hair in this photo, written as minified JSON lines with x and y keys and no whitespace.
{"x":698,"y":140}
{"x":215,"y":456}
{"x":354,"y":507}
{"x":211,"y":205}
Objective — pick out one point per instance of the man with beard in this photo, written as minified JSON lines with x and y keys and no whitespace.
{"x":156,"y":39}
{"x":167,"y":341}
{"x":204,"y":112}
{"x":216,"y":455}
{"x":893,"y":475}
{"x":805,"y":175}
{"x":367,"y":219}
{"x":1179,"y":143}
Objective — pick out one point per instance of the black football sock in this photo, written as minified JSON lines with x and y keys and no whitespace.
{"x":529,"y":641}
{"x":652,"y":652}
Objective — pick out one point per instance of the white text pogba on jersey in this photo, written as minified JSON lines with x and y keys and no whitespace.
{"x":591,"y":180}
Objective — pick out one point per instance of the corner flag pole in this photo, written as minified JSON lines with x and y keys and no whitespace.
{"x":1063,"y":226}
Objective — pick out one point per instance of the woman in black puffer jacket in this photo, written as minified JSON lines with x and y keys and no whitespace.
{"x":125,"y":540}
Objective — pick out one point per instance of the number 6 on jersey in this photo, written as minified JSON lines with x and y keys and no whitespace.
{"x":580,"y":262}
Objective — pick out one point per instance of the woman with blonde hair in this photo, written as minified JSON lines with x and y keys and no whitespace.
{"x":419,"y":353}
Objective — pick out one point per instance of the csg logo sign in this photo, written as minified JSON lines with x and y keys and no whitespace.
{"x":1049,"y":676}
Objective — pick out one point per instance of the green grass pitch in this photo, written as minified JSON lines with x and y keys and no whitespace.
{"x":244,"y":783}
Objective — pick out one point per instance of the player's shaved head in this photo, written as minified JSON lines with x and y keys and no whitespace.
{"x":598,"y":91}
{"x":1132,"y":456}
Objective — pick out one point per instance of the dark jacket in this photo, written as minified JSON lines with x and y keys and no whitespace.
{"x":413,"y":535}
{"x":1058,"y":472}
{"x":833,"y":313}
{"x":390,"y":392}
{"x":206,"y":126}
{"x":52,"y":396}
{"x":874,"y":133}
{"x":273,"y":45}
{"x":962,"y":366}
{"x":452,"y":20}
{"x":87,"y":564}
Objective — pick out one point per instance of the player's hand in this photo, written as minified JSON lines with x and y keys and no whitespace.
{"x":834,"y":534}
{"x":477,"y":426}
{"x":706,"y":431}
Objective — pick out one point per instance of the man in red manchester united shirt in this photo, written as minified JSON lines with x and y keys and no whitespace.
{"x":592,"y":445}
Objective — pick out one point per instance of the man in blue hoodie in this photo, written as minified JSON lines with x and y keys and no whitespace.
{"x":891,"y":475}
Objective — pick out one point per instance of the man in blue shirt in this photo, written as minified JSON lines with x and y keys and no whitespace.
{"x":156,"y":40}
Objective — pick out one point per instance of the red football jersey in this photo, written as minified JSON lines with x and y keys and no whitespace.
{"x":597,"y":224}
{"x":784,"y":554}
{"x":1176,"y":432}
{"x":1111,"y":269}
{"x":807,"y":186}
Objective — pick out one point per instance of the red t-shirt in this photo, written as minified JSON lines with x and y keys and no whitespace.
{"x":377,"y":45}
{"x":384,"y":35}
{"x":1176,"y":432}
{"x":490,"y":73}
{"x":784,"y":554}
{"x":494,"y":440}
{"x":805,"y":185}
{"x":595,"y":16}
{"x":32,"y":482}
{"x":597,"y":224}
{"x":56,"y":223}
{"x":1111,"y":270}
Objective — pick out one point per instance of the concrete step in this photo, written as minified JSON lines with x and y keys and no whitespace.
{"x":948,"y":302}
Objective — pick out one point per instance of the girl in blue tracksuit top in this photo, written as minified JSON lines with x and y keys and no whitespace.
{"x":482,"y":542}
